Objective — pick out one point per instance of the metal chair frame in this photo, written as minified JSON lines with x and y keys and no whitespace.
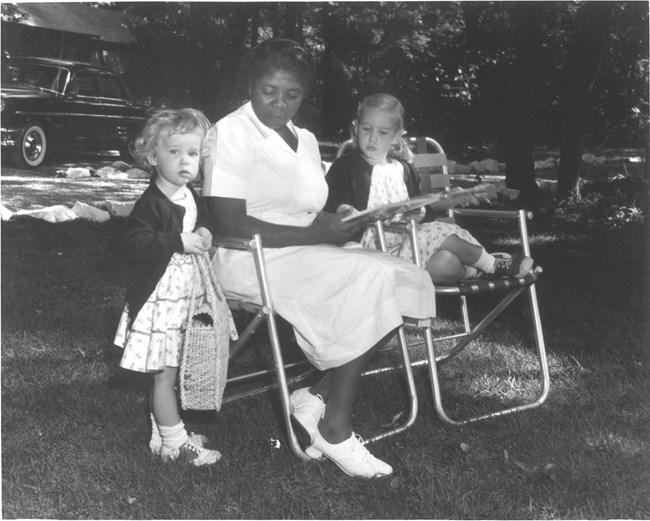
{"x":264,"y":312}
{"x":424,"y":162}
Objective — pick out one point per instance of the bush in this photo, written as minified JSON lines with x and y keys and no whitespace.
{"x":613,"y":203}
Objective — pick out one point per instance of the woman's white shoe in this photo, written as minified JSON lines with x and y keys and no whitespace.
{"x":306,"y":410}
{"x":352,"y":457}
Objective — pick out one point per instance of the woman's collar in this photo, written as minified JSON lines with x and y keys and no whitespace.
{"x":267,"y":132}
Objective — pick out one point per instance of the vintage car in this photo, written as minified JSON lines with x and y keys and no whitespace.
{"x":50,"y":104}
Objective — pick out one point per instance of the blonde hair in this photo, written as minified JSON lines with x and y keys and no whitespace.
{"x":180,"y":121}
{"x":393,"y":106}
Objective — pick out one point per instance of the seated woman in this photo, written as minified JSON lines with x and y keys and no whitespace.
{"x":264,"y":175}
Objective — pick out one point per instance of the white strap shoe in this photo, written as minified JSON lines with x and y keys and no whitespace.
{"x":191,"y":453}
{"x":155,"y":445}
{"x":352,"y":457}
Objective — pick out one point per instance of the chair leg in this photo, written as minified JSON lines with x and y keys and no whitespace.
{"x":541,"y":354}
{"x":286,"y":405}
{"x":267,"y":313}
{"x":412,"y":393}
{"x":283,"y":388}
{"x":473,"y":333}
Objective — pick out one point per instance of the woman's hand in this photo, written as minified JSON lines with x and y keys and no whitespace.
{"x":193,"y":243}
{"x":330,"y":230}
{"x":230,"y":219}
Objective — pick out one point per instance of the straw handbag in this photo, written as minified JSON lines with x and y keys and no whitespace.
{"x":206,"y":346}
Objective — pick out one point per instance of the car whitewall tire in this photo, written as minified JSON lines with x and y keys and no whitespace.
{"x":30,"y":150}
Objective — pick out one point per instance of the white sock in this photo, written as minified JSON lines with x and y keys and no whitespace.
{"x":173,"y":437}
{"x":485,"y":262}
{"x":470,"y":272}
{"x":156,"y":440}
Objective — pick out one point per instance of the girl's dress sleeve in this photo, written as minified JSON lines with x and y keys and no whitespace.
{"x":229,"y":159}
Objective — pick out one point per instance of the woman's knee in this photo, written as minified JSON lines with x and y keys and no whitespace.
{"x":444,"y":267}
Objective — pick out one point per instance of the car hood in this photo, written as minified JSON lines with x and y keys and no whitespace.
{"x":18,"y":91}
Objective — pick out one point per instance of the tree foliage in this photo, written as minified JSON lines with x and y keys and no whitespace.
{"x":499,"y":76}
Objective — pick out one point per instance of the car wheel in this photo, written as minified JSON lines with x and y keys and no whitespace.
{"x":31,"y":148}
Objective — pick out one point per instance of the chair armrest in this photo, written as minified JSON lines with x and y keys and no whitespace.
{"x":253,"y":245}
{"x":397,"y":227}
{"x":234,"y":243}
{"x":492,"y":214}
{"x":521,"y":216}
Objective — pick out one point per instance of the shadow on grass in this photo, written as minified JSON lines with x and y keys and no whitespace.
{"x":75,"y":447}
{"x":75,"y":431}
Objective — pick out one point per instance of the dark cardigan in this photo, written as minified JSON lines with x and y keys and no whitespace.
{"x":152,"y":236}
{"x":349,"y":180}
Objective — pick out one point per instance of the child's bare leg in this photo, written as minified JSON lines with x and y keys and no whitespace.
{"x":159,"y":404}
{"x":466,"y":252}
{"x":176,"y":443}
{"x":445,"y":267}
{"x":473,"y":256}
{"x":164,"y":404}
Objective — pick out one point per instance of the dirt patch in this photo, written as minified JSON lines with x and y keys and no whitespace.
{"x":40,"y":187}
{"x":26,"y":193}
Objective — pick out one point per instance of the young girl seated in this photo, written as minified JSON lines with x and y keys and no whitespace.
{"x":376,"y":172}
{"x":161,"y":234}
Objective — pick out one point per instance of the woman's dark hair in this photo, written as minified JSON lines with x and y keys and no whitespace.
{"x":278,"y":55}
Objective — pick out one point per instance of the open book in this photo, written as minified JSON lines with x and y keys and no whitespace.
{"x":386,"y":211}
{"x":439,"y":201}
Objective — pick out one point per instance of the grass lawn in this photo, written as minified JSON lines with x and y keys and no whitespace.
{"x":75,"y":433}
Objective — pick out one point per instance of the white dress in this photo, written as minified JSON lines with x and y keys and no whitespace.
{"x":387,"y":186}
{"x":155,"y":338}
{"x":341,"y":302}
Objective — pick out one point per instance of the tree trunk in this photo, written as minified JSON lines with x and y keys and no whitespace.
{"x":329,"y":89}
{"x":584,"y":58}
{"x":229,"y":91}
{"x":524,"y":100}
{"x":255,"y":26}
{"x":292,"y":20}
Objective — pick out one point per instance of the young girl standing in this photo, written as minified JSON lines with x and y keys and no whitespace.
{"x":376,"y":172}
{"x":161,"y":232}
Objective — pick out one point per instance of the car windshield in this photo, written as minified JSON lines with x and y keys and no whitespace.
{"x":35,"y":75}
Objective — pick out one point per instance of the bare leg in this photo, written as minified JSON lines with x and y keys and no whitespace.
{"x":323,"y":386}
{"x":164,"y":404}
{"x":336,"y":424}
{"x":466,"y":252}
{"x":445,"y":267}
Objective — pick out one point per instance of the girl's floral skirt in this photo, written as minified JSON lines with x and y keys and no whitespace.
{"x":431,"y":235}
{"x":155,"y":338}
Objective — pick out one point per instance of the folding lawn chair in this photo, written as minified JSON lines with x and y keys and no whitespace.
{"x":430,"y":162}
{"x":263,"y":312}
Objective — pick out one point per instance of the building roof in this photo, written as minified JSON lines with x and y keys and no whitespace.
{"x":103,"y":24}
